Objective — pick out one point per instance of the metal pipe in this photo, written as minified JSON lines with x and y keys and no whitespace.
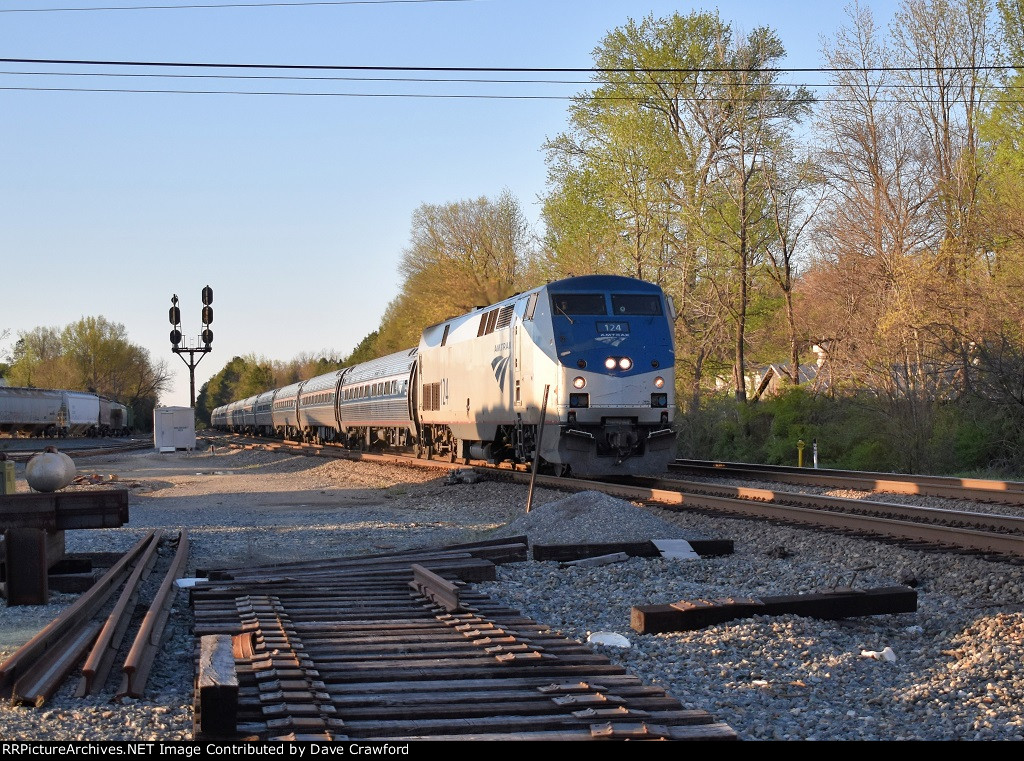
{"x":536,"y":453}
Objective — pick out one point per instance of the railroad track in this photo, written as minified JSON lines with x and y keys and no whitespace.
{"x":974,"y":489}
{"x":23,"y":454}
{"x":999,"y":536}
{"x":399,"y":648}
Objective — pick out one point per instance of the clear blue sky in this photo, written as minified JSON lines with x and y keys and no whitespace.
{"x":295,"y":209}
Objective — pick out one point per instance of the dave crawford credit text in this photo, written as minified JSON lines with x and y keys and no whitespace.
{"x":298,"y":750}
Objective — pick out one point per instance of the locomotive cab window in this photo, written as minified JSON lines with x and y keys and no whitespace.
{"x":578,"y":303}
{"x":636,"y":303}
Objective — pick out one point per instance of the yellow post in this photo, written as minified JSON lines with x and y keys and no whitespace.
{"x":7,"y":483}
{"x":800,"y":453}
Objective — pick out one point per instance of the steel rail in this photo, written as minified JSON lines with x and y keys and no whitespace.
{"x":348,"y":661}
{"x":77,"y":615}
{"x":147,"y":642}
{"x":983,"y":521}
{"x":101,"y":657}
{"x":915,"y":530}
{"x":982,"y":490}
{"x":40,"y":682}
{"x":973,"y":489}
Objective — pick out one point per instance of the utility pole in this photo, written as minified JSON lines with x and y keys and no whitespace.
{"x":205,"y":338}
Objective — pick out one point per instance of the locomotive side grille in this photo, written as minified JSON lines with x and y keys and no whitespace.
{"x":505,"y":317}
{"x":431,"y":397}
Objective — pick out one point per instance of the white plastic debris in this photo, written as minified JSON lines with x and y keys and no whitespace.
{"x":608,"y":638}
{"x":676,"y":549}
{"x":186,"y":583}
{"x":879,"y":655}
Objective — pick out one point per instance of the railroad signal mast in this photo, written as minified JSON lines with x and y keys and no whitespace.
{"x":205,"y":338}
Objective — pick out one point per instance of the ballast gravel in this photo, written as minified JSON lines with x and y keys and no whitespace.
{"x":954,"y":670}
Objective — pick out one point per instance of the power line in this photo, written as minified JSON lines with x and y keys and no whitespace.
{"x":446,"y":80}
{"x":509,"y":69}
{"x":194,"y":6}
{"x":443,"y":96}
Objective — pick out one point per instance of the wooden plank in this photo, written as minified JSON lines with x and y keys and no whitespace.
{"x":217,"y":686}
{"x":26,"y":564}
{"x":101,"y":508}
{"x":341,"y":642}
{"x":688,"y":615}
{"x":567,"y":552}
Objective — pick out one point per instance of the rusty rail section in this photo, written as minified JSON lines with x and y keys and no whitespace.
{"x":36,"y":670}
{"x":401,"y":647}
{"x":147,"y":642}
{"x":104,"y":650}
{"x":26,"y":659}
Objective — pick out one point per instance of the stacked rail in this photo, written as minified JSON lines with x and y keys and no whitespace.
{"x":93,"y":630}
{"x":400,"y":647}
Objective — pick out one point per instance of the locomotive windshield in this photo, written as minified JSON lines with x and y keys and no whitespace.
{"x":596,"y":304}
{"x":636,"y":303}
{"x":578,"y":303}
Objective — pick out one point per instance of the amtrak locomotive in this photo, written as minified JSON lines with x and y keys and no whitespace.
{"x":581,"y":370}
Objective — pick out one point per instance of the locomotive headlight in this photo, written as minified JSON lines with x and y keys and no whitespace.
{"x":579,"y":381}
{"x":659,"y":382}
{"x":610,"y":363}
{"x":625,"y":363}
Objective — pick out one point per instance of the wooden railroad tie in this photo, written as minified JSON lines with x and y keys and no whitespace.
{"x":687,"y":615}
{"x":572,"y":552}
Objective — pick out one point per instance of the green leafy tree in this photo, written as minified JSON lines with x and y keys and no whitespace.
{"x":662,"y":175}
{"x":485,"y":246}
{"x":92,"y":354}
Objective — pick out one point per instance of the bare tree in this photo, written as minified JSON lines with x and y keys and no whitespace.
{"x":796,"y":192}
{"x":944,"y":50}
{"x":875,"y":226}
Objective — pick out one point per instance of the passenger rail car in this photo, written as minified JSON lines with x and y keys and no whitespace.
{"x":54,"y":413}
{"x":580,"y":369}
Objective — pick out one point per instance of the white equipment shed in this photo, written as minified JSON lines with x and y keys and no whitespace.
{"x":174,"y":428}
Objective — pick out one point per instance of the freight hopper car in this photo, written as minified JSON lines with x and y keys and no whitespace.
{"x":53,"y":413}
{"x":582,"y":366}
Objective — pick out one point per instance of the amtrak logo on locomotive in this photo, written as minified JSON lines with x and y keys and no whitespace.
{"x":500,"y":365}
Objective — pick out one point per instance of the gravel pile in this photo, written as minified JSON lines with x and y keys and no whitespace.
{"x":590,"y":517}
{"x":952,"y":671}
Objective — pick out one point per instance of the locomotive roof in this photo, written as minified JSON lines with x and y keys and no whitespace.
{"x":566,"y":285}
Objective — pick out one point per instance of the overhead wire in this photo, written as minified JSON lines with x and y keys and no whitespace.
{"x":194,"y":6}
{"x":598,"y":76}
